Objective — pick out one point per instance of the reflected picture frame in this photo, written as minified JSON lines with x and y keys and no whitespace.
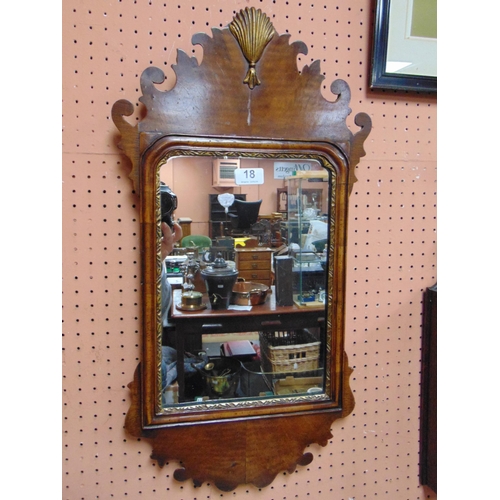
{"x":380,"y":78}
{"x":282,"y":200}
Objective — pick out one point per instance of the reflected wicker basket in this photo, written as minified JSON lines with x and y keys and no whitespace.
{"x":288,"y":352}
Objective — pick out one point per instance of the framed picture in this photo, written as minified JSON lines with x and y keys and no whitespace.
{"x":404,"y":55}
{"x":282,"y":200}
{"x":311,"y":198}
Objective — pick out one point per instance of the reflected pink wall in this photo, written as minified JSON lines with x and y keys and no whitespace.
{"x":191,"y":181}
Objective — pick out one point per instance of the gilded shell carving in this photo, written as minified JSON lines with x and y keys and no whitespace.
{"x":253,"y":30}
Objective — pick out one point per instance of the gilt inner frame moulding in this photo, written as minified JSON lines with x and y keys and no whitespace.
{"x":246,"y":99}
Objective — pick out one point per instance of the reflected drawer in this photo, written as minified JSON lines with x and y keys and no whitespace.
{"x":255,"y":275}
{"x":245,"y":265}
{"x":254,"y":256}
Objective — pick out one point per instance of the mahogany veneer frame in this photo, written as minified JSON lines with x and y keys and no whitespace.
{"x":246,"y":98}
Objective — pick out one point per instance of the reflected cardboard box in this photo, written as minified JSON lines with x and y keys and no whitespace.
{"x":298,"y":385}
{"x":170,"y":395}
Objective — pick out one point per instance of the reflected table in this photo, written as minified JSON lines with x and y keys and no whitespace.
{"x":264,"y":317}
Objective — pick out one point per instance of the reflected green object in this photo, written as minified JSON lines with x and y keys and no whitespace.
{"x":196,"y":240}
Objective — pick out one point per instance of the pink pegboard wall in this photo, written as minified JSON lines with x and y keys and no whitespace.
{"x":391,"y":252}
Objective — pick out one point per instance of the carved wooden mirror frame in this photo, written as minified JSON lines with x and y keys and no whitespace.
{"x":246,"y":98}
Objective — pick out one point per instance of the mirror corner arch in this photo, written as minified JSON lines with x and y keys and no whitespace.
{"x":267,"y":113}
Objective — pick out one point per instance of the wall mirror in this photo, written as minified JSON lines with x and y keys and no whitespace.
{"x":243,"y":322}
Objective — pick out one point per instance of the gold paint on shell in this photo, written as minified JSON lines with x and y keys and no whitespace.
{"x":253,"y":30}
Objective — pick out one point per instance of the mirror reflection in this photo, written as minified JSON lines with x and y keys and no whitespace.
{"x":245,"y":249}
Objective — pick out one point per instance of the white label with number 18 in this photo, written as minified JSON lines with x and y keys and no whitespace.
{"x":244,"y":176}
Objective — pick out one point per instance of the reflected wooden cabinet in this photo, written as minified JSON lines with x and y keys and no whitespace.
{"x":269,"y":110}
{"x":217,"y":214}
{"x":185,"y":223}
{"x":254,"y":264}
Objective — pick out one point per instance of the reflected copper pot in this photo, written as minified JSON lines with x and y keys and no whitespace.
{"x":249,"y":293}
{"x":221,"y":377}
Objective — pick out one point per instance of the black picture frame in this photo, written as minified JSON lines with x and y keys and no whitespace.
{"x":380,"y":78}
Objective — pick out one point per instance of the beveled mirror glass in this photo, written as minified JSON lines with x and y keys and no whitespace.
{"x":260,"y":169}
